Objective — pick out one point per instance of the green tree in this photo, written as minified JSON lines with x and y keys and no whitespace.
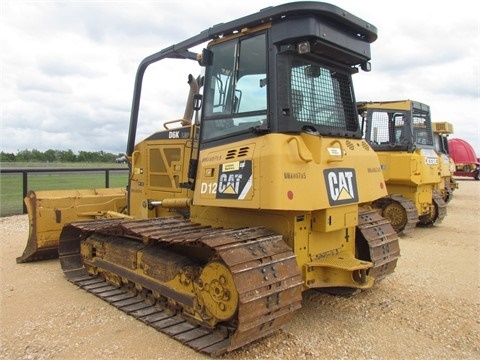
{"x":7,"y":157}
{"x":50,"y":155}
{"x":67,"y":156}
{"x":24,"y":155}
{"x":38,"y":156}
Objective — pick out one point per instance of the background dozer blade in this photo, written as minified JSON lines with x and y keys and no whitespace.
{"x":49,"y":211}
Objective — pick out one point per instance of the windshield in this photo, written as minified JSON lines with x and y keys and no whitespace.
{"x":422,"y":128}
{"x":396,"y":128}
{"x":236,"y":88}
{"x":306,"y":93}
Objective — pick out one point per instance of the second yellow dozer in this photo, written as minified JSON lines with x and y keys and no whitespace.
{"x":401,"y":134}
{"x":260,"y":192}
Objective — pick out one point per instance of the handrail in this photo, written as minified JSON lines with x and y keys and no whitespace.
{"x":302,"y":154}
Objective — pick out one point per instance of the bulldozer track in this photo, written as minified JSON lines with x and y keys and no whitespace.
{"x":383,"y":243}
{"x":448,"y":192}
{"x":441,"y":211}
{"x":408,"y":206}
{"x":264,"y":270}
{"x":441,"y":206}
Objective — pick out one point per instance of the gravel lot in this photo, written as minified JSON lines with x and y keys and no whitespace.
{"x":428,"y":309}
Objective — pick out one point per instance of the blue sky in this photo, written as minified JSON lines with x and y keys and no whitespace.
{"x":68,"y":67}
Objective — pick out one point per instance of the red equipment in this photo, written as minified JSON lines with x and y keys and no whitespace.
{"x":466,"y":161}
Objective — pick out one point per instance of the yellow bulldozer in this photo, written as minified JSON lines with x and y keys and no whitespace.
{"x":258,"y":193}
{"x":441,"y":131}
{"x":401,"y":134}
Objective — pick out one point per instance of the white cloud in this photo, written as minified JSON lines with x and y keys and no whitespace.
{"x":68,"y":68}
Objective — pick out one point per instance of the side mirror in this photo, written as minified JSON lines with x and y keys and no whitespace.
{"x":366,"y":66}
{"x":206,"y":58}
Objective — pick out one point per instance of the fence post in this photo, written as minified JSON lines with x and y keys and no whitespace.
{"x":107,"y":178}
{"x":25,"y":189}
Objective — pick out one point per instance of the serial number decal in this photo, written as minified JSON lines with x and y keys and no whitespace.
{"x":341,"y":186}
{"x":211,"y":158}
{"x":294,"y":175}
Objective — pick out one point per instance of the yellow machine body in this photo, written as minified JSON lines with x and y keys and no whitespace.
{"x":159,"y":165}
{"x":252,"y":183}
{"x":401,"y":134}
{"x":413,"y":175}
{"x":316,"y":178}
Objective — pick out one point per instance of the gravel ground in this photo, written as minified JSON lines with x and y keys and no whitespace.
{"x":428,"y":309}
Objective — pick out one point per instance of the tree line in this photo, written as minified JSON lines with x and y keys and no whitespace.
{"x":58,"y":156}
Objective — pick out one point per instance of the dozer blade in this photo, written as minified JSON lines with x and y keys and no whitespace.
{"x":48,"y":211}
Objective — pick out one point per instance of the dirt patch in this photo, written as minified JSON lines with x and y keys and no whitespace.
{"x":428,"y":309}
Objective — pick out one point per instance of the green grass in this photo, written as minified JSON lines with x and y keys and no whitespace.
{"x":11,"y":188}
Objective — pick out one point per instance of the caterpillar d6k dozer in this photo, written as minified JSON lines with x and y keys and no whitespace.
{"x":400,"y":132}
{"x":256,"y":195}
{"x":441,"y":131}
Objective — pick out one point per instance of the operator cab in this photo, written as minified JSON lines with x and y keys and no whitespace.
{"x":397,"y":126}
{"x":282,"y":78}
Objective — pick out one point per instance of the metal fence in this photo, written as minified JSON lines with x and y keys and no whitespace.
{"x":17,"y":188}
